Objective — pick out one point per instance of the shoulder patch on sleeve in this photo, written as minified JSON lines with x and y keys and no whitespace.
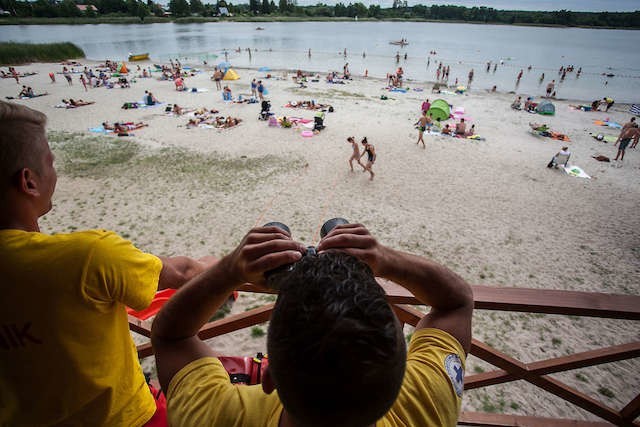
{"x":455,"y":371}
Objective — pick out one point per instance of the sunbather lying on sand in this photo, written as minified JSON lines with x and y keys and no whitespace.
{"x":229,"y":122}
{"x":71,"y":103}
{"x":123,"y":126}
{"x":538,"y":127}
{"x":309,"y":105}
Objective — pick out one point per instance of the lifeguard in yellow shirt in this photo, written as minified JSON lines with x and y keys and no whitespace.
{"x":66,"y":353}
{"x":337,"y":354}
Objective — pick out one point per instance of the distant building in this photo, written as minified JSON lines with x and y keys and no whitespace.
{"x":223,"y":11}
{"x":84,"y":7}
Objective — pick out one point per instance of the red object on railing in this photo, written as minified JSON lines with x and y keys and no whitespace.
{"x":157,"y":302}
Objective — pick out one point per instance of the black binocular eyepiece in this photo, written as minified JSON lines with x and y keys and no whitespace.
{"x":311,"y":250}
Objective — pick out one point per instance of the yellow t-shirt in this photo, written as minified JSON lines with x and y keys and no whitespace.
{"x":66,"y":354}
{"x":200,"y":394}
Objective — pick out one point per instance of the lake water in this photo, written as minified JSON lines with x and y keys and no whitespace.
{"x":462,"y":46}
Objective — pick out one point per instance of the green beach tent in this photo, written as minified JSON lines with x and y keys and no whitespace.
{"x":439,"y":110}
{"x":546,"y":107}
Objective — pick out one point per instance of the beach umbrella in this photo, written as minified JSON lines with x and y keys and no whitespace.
{"x":265,"y":69}
{"x":439,"y":110}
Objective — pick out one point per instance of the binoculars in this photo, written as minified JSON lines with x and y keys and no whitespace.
{"x":311,"y":250}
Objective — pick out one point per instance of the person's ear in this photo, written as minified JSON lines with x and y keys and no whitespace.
{"x":27,"y":182}
{"x":268,"y":386}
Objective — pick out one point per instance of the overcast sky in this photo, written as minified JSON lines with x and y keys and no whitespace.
{"x":575,"y":5}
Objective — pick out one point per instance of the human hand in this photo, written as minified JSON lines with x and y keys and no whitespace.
{"x":356,"y":240}
{"x":261,"y":250}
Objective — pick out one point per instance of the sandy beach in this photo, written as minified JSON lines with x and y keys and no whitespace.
{"x":488,"y":209}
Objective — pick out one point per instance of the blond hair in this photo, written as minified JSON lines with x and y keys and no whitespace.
{"x":20,"y":129}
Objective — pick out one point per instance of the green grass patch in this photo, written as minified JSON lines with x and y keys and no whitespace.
{"x":80,"y":155}
{"x":222,"y":312}
{"x":581,"y":377}
{"x":257,"y":332}
{"x":606,"y":392}
{"x":22,"y":53}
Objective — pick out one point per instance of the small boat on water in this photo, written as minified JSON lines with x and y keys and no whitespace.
{"x":402,"y":42}
{"x":138,"y":57}
{"x":259,"y":28}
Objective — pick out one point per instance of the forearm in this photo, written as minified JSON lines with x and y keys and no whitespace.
{"x":430,"y":282}
{"x":193,"y":306}
{"x":176,"y":271}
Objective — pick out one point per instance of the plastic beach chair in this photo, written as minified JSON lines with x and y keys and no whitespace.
{"x":157,"y":302}
{"x":561,"y":160}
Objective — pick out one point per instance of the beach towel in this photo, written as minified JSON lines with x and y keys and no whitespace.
{"x":197,"y":90}
{"x":604,"y":138}
{"x":635,"y":109}
{"x":27,"y":97}
{"x":100,"y":129}
{"x":607,"y":123}
{"x":576,"y":171}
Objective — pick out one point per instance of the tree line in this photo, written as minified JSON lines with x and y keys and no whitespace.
{"x":289,"y":8}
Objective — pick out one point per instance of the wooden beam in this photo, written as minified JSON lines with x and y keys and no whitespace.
{"x":236,"y":322}
{"x":143,"y":327}
{"x":557,"y":302}
{"x":566,"y":363}
{"x":632,"y":410}
{"x":549,"y":301}
{"x":585,"y":402}
{"x":505,"y":420}
{"x":231,"y":323}
{"x":519,"y":371}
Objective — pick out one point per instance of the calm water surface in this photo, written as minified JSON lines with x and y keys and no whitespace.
{"x":462,"y":46}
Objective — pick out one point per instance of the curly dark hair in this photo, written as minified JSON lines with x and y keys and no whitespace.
{"x":336,"y":352}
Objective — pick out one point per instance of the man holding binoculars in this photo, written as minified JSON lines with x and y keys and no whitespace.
{"x":337,"y":354}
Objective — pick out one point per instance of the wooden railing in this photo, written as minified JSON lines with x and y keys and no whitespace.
{"x":509,"y":369}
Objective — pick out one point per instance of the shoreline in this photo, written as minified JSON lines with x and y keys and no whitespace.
{"x":132,"y":20}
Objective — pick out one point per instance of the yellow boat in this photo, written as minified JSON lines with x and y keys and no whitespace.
{"x":139,"y":57}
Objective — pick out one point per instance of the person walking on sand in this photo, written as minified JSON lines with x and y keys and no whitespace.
{"x":217,"y":76}
{"x":67,"y":75}
{"x":83,"y":80}
{"x":550,"y":87}
{"x":370,"y":151}
{"x":424,"y":123}
{"x":355,"y":155}
{"x":624,"y":139}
